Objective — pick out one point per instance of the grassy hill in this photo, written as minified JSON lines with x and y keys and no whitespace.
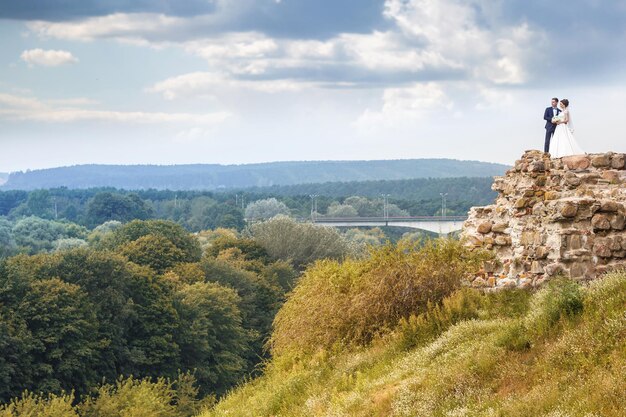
{"x":211,"y":177}
{"x":559,"y":352}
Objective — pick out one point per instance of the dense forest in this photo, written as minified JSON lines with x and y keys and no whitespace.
{"x":200,"y":210}
{"x":212,"y":177}
{"x":147,"y":299}
{"x":210,"y":303}
{"x":289,"y":320}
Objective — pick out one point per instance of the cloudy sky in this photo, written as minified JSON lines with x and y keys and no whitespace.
{"x":239,"y":81}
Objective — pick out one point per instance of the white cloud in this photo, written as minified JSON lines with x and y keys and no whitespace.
{"x":405,"y":106}
{"x":19,"y":108}
{"x":121,"y":26}
{"x":428,"y":38}
{"x":208,"y":84}
{"x":47,"y":58}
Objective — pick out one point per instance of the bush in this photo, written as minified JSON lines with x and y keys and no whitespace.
{"x":266,"y":209}
{"x":560,"y":299}
{"x":353,"y":301}
{"x":299,"y":243}
{"x":417,"y":330}
{"x":31,"y":405}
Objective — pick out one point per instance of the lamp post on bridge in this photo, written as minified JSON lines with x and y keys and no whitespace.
{"x":385,"y":203}
{"x":443,"y":204}
{"x":313,"y":206}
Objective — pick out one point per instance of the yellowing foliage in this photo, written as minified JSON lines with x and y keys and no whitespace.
{"x":353,"y":301}
{"x":573,"y":366}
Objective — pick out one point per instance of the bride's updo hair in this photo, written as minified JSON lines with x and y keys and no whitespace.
{"x":565,"y":102}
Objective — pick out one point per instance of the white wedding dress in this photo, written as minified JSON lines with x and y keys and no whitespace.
{"x":563,"y":142}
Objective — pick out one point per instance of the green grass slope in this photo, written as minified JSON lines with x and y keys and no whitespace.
{"x":558,"y":352}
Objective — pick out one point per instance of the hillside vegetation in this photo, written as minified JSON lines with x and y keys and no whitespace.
{"x":559,"y":352}
{"x":392,"y":334}
{"x":211,"y":177}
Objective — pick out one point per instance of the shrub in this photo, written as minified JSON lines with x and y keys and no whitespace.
{"x":31,"y":405}
{"x":353,"y":301}
{"x":299,"y":243}
{"x":416,"y":330}
{"x":560,"y":299}
{"x":266,"y":209}
{"x":132,"y":397}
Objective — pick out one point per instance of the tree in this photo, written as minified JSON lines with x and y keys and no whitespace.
{"x":69,"y":243}
{"x":109,"y":206}
{"x":10,"y":200}
{"x":7,"y":244}
{"x":154,"y":251}
{"x":220,"y":215}
{"x":211,"y":338}
{"x":266,"y":209}
{"x":341,"y":210}
{"x":40,"y":204}
{"x":171,"y":231}
{"x":35,"y":234}
{"x":259,"y":301}
{"x":62,"y":325}
{"x":299,"y":243}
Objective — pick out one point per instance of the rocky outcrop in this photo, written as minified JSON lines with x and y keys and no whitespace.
{"x":563,"y":216}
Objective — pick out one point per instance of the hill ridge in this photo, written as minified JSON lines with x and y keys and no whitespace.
{"x":217,"y":176}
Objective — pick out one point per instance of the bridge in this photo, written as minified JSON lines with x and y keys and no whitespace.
{"x":436,"y":224}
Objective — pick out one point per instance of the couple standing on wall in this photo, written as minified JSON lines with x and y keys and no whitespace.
{"x":560,"y":130}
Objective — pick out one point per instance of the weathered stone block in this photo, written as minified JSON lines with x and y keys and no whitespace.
{"x":576,"y":162}
{"x":506,"y":283}
{"x":600,"y":222}
{"x":536,"y":268}
{"x":609,"y":206}
{"x":573,"y":181}
{"x":617,"y":161}
{"x":615,"y":243}
{"x":499,"y":227}
{"x":484,"y":227}
{"x":541,"y":252}
{"x":479,"y":282}
{"x":618,"y":221}
{"x":521,"y":203}
{"x":577,"y":270}
{"x":611,"y":176}
{"x":536,"y":166}
{"x":541,"y":180}
{"x":502,"y":240}
{"x":575,"y":242}
{"x":601,"y":161}
{"x":550,"y":195}
{"x":569,"y":210}
{"x":602,"y":249}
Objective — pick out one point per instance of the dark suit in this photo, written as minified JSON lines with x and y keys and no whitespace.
{"x":550,"y":127}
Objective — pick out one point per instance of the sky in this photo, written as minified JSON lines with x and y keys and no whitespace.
{"x":243,"y":81}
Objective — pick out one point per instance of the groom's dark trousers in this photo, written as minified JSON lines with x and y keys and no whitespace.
{"x":550,"y":127}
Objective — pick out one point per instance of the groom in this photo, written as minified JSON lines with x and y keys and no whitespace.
{"x":550,"y":127}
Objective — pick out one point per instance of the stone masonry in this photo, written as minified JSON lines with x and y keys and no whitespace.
{"x":562,"y":216}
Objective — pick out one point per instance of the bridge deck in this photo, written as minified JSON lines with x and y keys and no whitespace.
{"x":389,"y":219}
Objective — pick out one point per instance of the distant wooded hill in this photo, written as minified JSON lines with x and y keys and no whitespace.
{"x":213,"y":177}
{"x":3,"y":177}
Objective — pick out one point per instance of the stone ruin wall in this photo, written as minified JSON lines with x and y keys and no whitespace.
{"x":562,"y":216}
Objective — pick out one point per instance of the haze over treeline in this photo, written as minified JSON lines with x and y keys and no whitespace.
{"x":213,"y":176}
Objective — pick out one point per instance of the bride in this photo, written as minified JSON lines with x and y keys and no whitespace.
{"x":563,"y":142}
